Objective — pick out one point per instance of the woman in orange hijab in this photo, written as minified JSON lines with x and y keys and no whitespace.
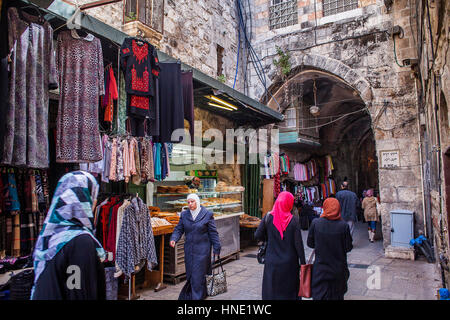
{"x":330,"y":237}
{"x":284,"y":250}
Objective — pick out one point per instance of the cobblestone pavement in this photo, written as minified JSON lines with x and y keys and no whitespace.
{"x":399,"y":279}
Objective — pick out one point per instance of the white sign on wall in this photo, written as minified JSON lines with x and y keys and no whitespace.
{"x":390,"y":158}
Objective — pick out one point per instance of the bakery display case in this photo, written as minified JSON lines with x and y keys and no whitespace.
{"x":220,"y":203}
{"x":227,"y":207}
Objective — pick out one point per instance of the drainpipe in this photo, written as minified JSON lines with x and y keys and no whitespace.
{"x":421,"y":163}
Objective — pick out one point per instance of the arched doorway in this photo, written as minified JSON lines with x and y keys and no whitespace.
{"x":325,"y":116}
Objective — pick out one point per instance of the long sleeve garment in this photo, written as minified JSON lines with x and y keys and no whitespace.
{"x":126,"y":161}
{"x":283,"y":258}
{"x":24,"y":139}
{"x":331,"y":241}
{"x":200,"y":236}
{"x":349,"y":204}
{"x":80,"y":252}
{"x":136,"y":241}
{"x":80,"y":65}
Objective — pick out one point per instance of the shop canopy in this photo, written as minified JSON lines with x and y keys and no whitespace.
{"x":244,"y":111}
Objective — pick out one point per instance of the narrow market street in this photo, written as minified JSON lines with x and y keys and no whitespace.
{"x":400,"y":279}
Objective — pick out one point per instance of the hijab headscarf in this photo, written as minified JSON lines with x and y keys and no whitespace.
{"x":195,"y":212}
{"x":281,"y":211}
{"x":331,"y":209}
{"x":70,"y":215}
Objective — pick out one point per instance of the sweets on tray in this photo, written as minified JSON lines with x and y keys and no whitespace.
{"x":159,"y":222}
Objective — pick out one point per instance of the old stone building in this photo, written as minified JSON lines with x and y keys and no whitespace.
{"x":378,"y":94}
{"x":342,"y":59}
{"x":433,"y":82}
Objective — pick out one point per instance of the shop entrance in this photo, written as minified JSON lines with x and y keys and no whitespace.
{"x":325,"y":118}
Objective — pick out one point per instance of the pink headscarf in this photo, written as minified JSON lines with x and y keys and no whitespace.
{"x":281,"y":211}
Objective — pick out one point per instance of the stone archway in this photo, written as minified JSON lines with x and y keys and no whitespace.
{"x":391,"y":129}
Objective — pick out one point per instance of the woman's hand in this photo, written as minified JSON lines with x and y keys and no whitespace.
{"x":172,"y":244}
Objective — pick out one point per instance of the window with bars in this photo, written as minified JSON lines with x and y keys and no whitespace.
{"x":331,"y":7}
{"x":149,"y":12}
{"x":283,"y":13}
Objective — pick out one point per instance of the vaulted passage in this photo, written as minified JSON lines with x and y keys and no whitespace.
{"x":325,"y":116}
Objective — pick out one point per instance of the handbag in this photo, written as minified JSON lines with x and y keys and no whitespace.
{"x":216,"y":283}
{"x":261,"y":255}
{"x":305,"y":278}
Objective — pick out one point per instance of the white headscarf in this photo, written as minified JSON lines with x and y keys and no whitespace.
{"x":195,"y":212}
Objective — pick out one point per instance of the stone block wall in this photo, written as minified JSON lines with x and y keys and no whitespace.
{"x":357,"y":47}
{"x":192,"y":31}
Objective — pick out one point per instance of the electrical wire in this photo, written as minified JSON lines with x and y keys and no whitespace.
{"x":256,"y":62}
{"x":327,"y":123}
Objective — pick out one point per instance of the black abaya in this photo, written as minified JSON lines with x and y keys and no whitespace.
{"x":331,"y":241}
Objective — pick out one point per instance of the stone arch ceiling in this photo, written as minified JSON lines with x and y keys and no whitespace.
{"x":334,"y":96}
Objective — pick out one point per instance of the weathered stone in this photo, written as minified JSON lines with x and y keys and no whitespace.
{"x":399,"y":253}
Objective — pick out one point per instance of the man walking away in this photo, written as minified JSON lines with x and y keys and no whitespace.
{"x":349,"y":205}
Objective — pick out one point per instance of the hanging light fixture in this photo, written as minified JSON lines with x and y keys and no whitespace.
{"x":222,"y":102}
{"x":314,"y":109}
{"x":219,"y":106}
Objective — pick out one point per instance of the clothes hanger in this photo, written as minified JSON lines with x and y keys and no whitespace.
{"x":39,"y":14}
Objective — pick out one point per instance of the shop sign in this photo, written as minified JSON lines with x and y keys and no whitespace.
{"x":390,"y":158}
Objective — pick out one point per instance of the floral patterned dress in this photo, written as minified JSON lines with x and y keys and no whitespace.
{"x":80,"y":65}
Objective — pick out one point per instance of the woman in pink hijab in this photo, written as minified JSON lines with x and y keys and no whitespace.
{"x":285,"y":251}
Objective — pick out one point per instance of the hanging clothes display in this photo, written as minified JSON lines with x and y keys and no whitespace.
{"x":80,"y":62}
{"x":328,"y":166}
{"x":131,"y":159}
{"x":306,"y":171}
{"x":124,"y":228}
{"x":140,"y":65}
{"x":171,"y":101}
{"x":284,"y":164}
{"x":111,"y":94}
{"x":23,"y":206}
{"x":32,"y":73}
{"x":188,"y":99}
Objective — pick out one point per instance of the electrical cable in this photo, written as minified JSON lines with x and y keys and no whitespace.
{"x":395,"y":55}
{"x":237,"y":59}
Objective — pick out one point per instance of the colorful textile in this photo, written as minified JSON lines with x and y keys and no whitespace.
{"x":69,"y":216}
{"x":281,"y":211}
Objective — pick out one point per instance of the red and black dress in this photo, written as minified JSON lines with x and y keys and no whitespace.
{"x":139,"y":62}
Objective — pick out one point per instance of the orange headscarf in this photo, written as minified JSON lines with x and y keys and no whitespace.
{"x":331,"y":209}
{"x":281,"y":211}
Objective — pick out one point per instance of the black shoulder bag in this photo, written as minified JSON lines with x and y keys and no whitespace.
{"x":261,"y":255}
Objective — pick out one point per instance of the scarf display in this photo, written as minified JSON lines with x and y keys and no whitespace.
{"x":69,"y":216}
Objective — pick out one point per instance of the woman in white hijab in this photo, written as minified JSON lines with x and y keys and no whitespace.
{"x":199,"y":228}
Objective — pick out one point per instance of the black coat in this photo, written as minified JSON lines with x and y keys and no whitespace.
{"x":331,"y":241}
{"x":52,"y":283}
{"x":350,"y":204}
{"x":200,"y":235}
{"x":282,"y":261}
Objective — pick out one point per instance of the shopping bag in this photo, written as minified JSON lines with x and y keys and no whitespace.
{"x":305,"y":278}
{"x":216,"y":283}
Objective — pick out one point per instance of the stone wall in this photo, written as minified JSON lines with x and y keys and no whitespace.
{"x":434,"y":84}
{"x":355,"y":46}
{"x":192,"y":31}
